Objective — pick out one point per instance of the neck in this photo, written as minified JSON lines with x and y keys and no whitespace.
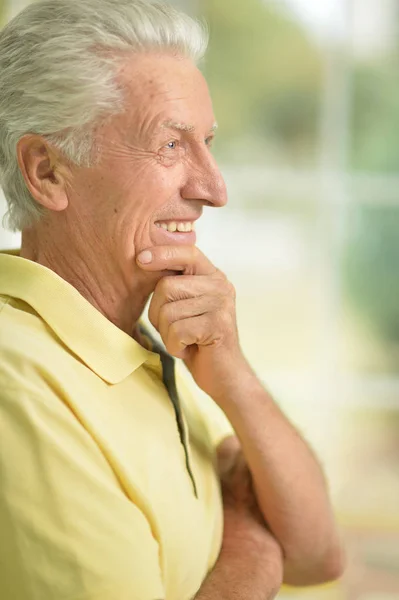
{"x":117,"y":294}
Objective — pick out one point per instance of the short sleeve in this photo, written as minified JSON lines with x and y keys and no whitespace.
{"x":217,"y":423}
{"x":68,"y":531}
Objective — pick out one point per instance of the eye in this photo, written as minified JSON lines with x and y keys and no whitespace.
{"x":209,"y":140}
{"x":172,"y":145}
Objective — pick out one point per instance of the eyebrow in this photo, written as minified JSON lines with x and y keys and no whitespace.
{"x":183,"y":126}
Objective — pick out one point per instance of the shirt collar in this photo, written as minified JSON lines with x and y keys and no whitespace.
{"x":107,"y":350}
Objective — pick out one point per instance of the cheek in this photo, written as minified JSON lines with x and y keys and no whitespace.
{"x":149,"y":194}
{"x":132,"y":193}
{"x":141,"y":175}
{"x":142,"y":204}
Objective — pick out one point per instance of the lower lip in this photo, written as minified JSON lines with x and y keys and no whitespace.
{"x":187,"y":238}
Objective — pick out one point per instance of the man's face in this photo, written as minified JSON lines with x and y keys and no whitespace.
{"x":156,"y":170}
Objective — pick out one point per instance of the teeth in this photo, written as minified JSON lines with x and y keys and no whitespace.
{"x":173,"y":226}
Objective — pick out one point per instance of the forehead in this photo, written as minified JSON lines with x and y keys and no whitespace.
{"x":162,"y":88}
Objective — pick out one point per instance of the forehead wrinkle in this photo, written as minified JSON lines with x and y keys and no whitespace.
{"x":142,"y":125}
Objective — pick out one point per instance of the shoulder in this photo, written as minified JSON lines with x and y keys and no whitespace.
{"x":28,"y":347}
{"x":20,"y":322}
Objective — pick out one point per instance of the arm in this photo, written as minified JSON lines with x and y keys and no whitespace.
{"x":250,"y":564}
{"x":246,"y":573}
{"x":195,"y":315}
{"x":288,"y":482}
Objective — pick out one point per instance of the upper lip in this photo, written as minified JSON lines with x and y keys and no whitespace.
{"x":178,"y":220}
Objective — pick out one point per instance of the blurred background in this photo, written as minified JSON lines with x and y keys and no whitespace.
{"x":306,"y":94}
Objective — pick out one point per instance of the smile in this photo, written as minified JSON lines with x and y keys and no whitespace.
{"x":173,"y":226}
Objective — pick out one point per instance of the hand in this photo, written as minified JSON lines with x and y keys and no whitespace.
{"x":194,"y":311}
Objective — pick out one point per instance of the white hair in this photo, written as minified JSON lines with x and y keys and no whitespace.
{"x":58,"y":66}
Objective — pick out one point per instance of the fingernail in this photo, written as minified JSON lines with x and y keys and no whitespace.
{"x":145,"y":257}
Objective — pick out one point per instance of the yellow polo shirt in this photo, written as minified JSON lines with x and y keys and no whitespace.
{"x":101,"y":498}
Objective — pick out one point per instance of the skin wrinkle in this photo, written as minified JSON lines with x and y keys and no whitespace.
{"x":112,"y":207}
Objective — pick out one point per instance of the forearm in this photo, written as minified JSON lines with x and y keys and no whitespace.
{"x":289,"y":483}
{"x":244,"y":575}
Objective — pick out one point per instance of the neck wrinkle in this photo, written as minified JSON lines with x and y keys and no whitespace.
{"x":96,"y":280}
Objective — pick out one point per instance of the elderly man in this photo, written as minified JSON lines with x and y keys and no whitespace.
{"x":115,"y":484}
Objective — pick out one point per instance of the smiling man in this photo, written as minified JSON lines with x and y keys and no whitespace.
{"x":115,"y":482}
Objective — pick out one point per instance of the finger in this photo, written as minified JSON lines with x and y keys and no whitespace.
{"x":189,"y":260}
{"x":173,"y":289}
{"x":187,"y":332}
{"x":185,"y":309}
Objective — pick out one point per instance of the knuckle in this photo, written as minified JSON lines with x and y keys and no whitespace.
{"x":176,"y":329}
{"x":167,"y":313}
{"x":174,"y":338}
{"x":225,"y":284}
{"x":230,"y":289}
{"x":167,"y":287}
{"x":224,"y":318}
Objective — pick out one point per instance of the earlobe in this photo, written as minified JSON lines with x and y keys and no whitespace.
{"x":43,"y":173}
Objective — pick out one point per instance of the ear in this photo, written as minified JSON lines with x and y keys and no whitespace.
{"x":43,"y":171}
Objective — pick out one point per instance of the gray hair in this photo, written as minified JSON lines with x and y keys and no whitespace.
{"x":58,"y":65}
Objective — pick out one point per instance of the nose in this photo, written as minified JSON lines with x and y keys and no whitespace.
{"x":204,"y":181}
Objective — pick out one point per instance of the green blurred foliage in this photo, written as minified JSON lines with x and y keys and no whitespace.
{"x":370,"y":269}
{"x":264,"y":75}
{"x":2,"y":11}
{"x":371,"y":256}
{"x":375,"y":117}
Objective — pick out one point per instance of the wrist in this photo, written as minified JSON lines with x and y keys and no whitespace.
{"x":253,"y":540}
{"x":237,"y":382}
